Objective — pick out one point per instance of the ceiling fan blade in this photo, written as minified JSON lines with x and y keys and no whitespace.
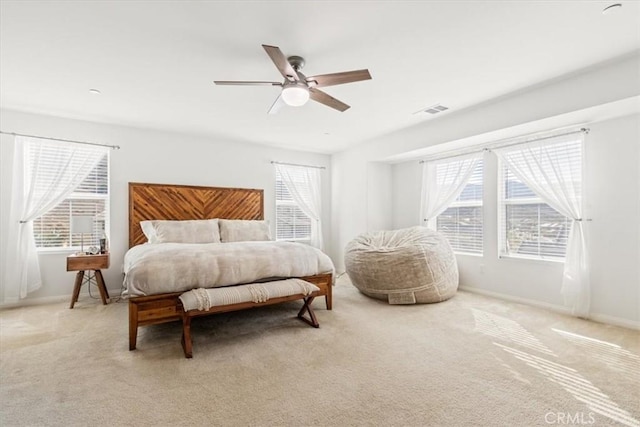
{"x":277,"y":105}
{"x":281,"y":62}
{"x":339,"y":78}
{"x":246,"y":83}
{"x":328,"y":100}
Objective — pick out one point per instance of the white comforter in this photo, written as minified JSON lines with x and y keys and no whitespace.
{"x":175,"y":267}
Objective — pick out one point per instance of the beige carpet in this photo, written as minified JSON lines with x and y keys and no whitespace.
{"x":469,"y":361}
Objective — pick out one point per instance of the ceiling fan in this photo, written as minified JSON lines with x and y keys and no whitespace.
{"x":297,"y":88}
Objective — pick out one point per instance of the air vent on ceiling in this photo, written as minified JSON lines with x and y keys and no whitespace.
{"x":435,"y":109}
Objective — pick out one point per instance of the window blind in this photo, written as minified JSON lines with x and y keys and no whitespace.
{"x":292,"y":223}
{"x":530,"y":228}
{"x":91,"y":197}
{"x":462,"y":222}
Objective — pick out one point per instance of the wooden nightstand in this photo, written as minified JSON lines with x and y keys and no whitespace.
{"x":82,"y":263}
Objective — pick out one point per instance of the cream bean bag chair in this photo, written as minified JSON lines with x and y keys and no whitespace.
{"x":408,"y":266}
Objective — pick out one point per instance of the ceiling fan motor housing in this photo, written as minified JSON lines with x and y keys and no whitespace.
{"x":297,"y":62}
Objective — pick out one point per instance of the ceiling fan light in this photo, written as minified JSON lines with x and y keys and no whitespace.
{"x":295,"y":95}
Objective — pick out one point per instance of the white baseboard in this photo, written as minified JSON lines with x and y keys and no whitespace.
{"x":54,"y":299}
{"x":595,"y":317}
{"x":616,"y":321}
{"x":527,"y":301}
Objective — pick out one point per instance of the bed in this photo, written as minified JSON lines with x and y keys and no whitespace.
{"x":153,"y":301}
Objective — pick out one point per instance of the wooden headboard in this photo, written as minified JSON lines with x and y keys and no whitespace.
{"x":180,"y":202}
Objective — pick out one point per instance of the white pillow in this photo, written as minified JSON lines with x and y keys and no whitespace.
{"x":190,"y":231}
{"x":236,"y":230}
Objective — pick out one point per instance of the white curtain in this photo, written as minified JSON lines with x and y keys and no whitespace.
{"x":303,"y":183}
{"x":553,"y":170}
{"x":44,"y":174}
{"x":443,"y":181}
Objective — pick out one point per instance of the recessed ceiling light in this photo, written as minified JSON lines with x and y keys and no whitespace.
{"x":94,"y":91}
{"x":611,"y":8}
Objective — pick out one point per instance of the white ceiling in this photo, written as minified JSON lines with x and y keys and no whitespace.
{"x":155,"y":61}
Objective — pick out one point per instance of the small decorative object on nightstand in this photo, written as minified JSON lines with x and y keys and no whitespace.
{"x":81,"y":224}
{"x":88,"y":263}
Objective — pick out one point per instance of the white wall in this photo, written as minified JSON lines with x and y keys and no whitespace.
{"x":154,"y":157}
{"x":613,"y":203}
{"x":379,"y":196}
{"x":613,"y":189}
{"x":590,"y":96}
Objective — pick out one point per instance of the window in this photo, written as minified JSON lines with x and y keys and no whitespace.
{"x":461,"y":223}
{"x":91,"y":197}
{"x":292,"y":223}
{"x":529,"y":227}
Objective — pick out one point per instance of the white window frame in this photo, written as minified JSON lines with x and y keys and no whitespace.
{"x":89,"y":241}
{"x":503,"y":202}
{"x":292,"y":203}
{"x":433,"y":223}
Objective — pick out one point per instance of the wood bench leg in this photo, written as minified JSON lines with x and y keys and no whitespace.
{"x":187,"y":345}
{"x":312,"y":316}
{"x":133,"y":325}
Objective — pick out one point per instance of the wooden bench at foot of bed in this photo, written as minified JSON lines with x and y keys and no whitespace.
{"x":205,"y":302}
{"x":162,"y":308}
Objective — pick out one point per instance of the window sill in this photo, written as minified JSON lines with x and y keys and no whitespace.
{"x":469,"y":254}
{"x":57,"y":251}
{"x":549,"y":261}
{"x":306,"y":241}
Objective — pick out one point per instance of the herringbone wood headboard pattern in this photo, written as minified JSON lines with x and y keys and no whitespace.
{"x":180,"y":202}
